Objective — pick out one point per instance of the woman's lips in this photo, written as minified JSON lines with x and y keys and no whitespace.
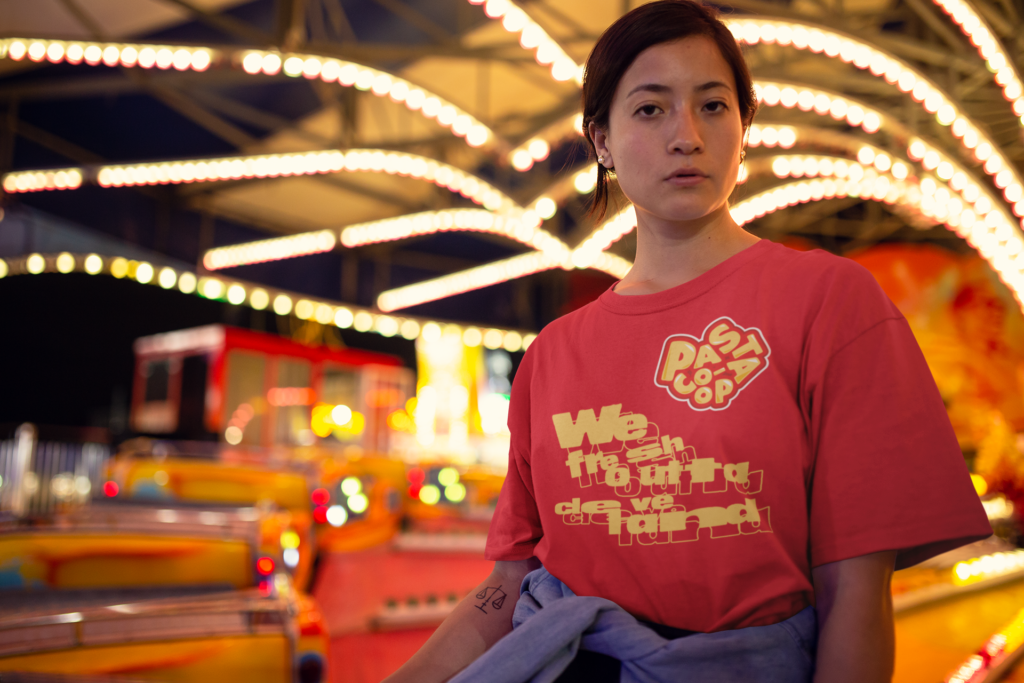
{"x":686,"y":179}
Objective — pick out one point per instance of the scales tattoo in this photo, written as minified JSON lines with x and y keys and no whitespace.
{"x":492,"y":596}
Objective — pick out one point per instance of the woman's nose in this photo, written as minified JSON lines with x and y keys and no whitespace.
{"x":686,"y":138}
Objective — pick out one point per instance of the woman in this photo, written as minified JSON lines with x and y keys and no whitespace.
{"x":733,"y":433}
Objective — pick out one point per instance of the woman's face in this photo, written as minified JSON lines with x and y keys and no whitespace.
{"x":674,"y":131}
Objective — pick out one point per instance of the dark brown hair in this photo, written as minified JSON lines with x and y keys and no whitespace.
{"x":648,"y":25}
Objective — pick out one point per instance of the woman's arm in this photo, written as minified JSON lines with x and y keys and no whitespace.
{"x":468,"y":631}
{"x":856,"y":639}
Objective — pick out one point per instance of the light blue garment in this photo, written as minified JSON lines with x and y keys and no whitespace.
{"x":551,"y":623}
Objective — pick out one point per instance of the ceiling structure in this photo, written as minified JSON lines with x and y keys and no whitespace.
{"x":881,"y":120}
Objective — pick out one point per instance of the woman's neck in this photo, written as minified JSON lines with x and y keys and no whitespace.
{"x":669,"y":254}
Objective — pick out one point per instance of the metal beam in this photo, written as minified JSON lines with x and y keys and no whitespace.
{"x":268,"y":121}
{"x":224,"y":23}
{"x":203,"y":117}
{"x":926,"y":12}
{"x":283,"y":22}
{"x":558,"y":15}
{"x":419,"y":20}
{"x":339,"y":20}
{"x":83,"y":18}
{"x":56,"y":144}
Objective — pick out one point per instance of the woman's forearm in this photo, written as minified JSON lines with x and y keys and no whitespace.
{"x":474,"y":626}
{"x":856,"y":640}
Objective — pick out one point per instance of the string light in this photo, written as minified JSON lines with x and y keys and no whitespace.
{"x":590,"y":254}
{"x":466,"y":280}
{"x":521,"y":226}
{"x":994,"y":239}
{"x":613,"y":229}
{"x":181,"y":58}
{"x":35,"y":181}
{"x":988,"y":566}
{"x":380,"y":83}
{"x":997,"y":59}
{"x":270,"y":250}
{"x":834,"y":44}
{"x":279,"y":165}
{"x":242,"y":293}
{"x":532,"y":37}
{"x":185,"y":58}
{"x":821,"y":102}
{"x":804,"y":36}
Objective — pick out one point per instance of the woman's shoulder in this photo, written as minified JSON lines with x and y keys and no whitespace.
{"x":823,"y":278}
{"x":818,"y":264}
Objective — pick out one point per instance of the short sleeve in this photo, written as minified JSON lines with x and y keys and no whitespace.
{"x":888,"y":473}
{"x":515,"y":528}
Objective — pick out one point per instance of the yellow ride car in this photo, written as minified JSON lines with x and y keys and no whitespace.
{"x":161,"y":591}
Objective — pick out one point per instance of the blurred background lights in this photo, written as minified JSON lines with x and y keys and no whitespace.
{"x":343,"y":318}
{"x":233,"y":435}
{"x":259,"y":299}
{"x":410,"y":329}
{"x":447,"y":476}
{"x":290,"y":556}
{"x":290,"y":539}
{"x":167,"y":278}
{"x":337,"y":515}
{"x":144,"y":273}
{"x":212,"y":288}
{"x":341,"y":415}
{"x":362,"y":321}
{"x":93,"y":264}
{"x":119,"y":267}
{"x":430,"y":494}
{"x":65,"y":262}
{"x":472,"y":337}
{"x":282,"y":304}
{"x":350,"y":486}
{"x":35,"y":264}
{"x":455,"y":492}
{"x":358,"y":503}
{"x":545,"y":207}
{"x":186,"y":282}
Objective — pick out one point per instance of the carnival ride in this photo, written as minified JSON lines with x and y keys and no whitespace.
{"x":449,"y":135}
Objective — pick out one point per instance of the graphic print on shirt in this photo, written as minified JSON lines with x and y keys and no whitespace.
{"x":651,"y":486}
{"x":708,"y":373}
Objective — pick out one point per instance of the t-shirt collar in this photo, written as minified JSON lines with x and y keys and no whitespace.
{"x":641,"y":304}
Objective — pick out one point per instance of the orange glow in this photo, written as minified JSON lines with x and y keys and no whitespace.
{"x":384,"y":398}
{"x":291,"y":396}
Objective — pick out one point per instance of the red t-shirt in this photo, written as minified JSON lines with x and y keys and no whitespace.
{"x":692,"y":454}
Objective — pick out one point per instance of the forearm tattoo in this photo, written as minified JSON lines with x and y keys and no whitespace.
{"x":492,"y":597}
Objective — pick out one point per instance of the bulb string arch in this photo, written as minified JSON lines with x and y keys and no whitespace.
{"x":877,"y":61}
{"x":256,"y":62}
{"x":258,"y":297}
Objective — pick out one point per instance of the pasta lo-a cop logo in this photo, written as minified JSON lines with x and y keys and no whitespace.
{"x":709,"y":372}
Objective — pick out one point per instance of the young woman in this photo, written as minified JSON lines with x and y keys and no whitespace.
{"x":733,"y":433}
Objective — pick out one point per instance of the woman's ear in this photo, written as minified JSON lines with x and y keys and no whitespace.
{"x":600,"y":138}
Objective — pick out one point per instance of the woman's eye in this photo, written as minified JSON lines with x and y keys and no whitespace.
{"x":647,"y":110}
{"x":716,"y":106}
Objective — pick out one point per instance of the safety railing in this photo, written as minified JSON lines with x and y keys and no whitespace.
{"x":44,"y":469}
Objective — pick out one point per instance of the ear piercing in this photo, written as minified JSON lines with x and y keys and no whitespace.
{"x":600,"y":159}
{"x":743,"y":155}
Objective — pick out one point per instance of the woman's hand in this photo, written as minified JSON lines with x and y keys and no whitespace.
{"x":856,"y":638}
{"x":469,"y":631}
